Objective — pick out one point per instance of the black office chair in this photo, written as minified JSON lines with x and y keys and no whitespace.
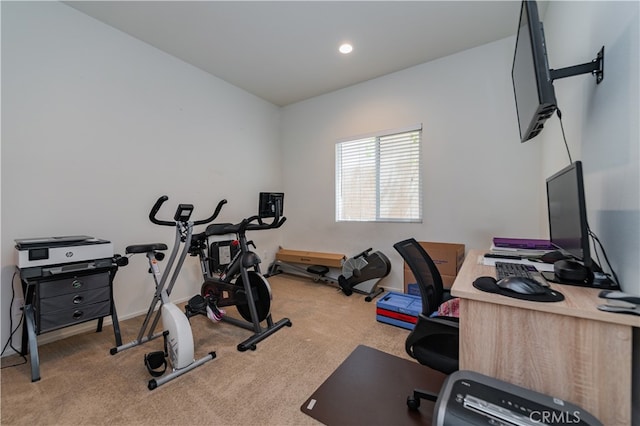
{"x":434,"y":340}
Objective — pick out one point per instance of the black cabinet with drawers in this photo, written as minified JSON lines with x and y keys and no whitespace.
{"x":54,"y":301}
{"x":66,"y":301}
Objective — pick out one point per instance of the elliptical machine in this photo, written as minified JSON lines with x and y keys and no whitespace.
{"x":240,"y":282}
{"x":178,"y":338}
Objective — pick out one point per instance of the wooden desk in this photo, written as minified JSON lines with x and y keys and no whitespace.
{"x":569,"y":349}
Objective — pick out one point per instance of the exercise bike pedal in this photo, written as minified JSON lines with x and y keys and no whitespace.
{"x":197,"y":305}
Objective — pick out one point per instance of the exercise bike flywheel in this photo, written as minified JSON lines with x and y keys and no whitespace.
{"x":234,"y":294}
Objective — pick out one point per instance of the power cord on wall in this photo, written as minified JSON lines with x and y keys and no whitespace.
{"x":564,"y":137}
{"x":13,"y":330}
{"x":593,"y":236}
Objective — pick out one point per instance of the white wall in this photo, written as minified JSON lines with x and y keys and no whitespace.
{"x":602,"y":126}
{"x":97,"y":125}
{"x":601,"y":121}
{"x":473,"y":160}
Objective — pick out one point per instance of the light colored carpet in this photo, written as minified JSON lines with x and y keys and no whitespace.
{"x":82,"y":384}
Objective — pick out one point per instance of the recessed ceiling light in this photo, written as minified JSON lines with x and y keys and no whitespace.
{"x":345,"y":48}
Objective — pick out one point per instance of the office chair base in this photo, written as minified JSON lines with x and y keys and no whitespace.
{"x":413,"y":401}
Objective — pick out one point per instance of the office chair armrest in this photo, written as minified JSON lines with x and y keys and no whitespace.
{"x":426,"y":326}
{"x":446,"y":321}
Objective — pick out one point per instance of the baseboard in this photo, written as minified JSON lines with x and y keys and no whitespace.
{"x":63,"y":333}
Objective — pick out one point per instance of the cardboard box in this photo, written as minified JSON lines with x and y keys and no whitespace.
{"x":447,"y":281}
{"x":401,"y":310}
{"x":448,"y":258}
{"x":412,"y":289}
{"x":331,"y":260}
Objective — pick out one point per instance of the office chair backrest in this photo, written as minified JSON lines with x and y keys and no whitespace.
{"x":425,"y":272}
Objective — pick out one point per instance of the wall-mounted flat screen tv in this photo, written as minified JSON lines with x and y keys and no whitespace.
{"x":532,"y":82}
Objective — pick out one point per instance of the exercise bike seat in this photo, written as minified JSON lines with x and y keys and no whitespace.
{"x":145,"y":248}
{"x":222,"y":229}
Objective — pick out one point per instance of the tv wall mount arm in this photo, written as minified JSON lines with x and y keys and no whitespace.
{"x":595,"y":67}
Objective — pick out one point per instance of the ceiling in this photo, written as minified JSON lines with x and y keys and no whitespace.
{"x":287,"y":51}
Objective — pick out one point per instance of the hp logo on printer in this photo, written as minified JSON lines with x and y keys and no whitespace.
{"x":69,"y":254}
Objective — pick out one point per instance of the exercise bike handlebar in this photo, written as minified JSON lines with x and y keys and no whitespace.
{"x":213,"y":216}
{"x":154,"y":211}
{"x":248,"y":225}
{"x":162,"y":199}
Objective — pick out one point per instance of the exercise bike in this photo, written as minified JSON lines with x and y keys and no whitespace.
{"x":178,"y":338}
{"x":239,"y":281}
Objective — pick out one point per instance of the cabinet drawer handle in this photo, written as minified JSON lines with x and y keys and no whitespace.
{"x":76,"y":283}
{"x":77,"y":300}
{"x":77,"y":314}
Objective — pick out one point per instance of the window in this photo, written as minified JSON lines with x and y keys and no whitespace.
{"x":378,"y":177}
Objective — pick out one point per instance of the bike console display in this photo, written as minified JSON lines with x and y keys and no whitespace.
{"x":271,"y":204}
{"x":183,"y":213}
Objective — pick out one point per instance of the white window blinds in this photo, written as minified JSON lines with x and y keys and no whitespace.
{"x":378,"y":178}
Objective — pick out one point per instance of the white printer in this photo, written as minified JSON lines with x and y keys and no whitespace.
{"x":52,"y":251}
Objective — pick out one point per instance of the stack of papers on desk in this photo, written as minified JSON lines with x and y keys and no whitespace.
{"x":518,"y":252}
{"x":519,"y":243}
{"x":521,"y":247}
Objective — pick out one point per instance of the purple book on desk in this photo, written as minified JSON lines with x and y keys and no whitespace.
{"x":518,"y":243}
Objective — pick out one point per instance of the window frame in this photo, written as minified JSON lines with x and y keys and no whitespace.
{"x":377,"y":137}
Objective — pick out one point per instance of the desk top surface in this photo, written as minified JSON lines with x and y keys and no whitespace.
{"x":579,"y":302}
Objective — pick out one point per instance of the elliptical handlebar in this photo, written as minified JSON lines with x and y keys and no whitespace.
{"x":162,"y":199}
{"x":363,"y":254}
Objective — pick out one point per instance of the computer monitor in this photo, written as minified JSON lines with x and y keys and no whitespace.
{"x":532,"y":81}
{"x":568,"y":228}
